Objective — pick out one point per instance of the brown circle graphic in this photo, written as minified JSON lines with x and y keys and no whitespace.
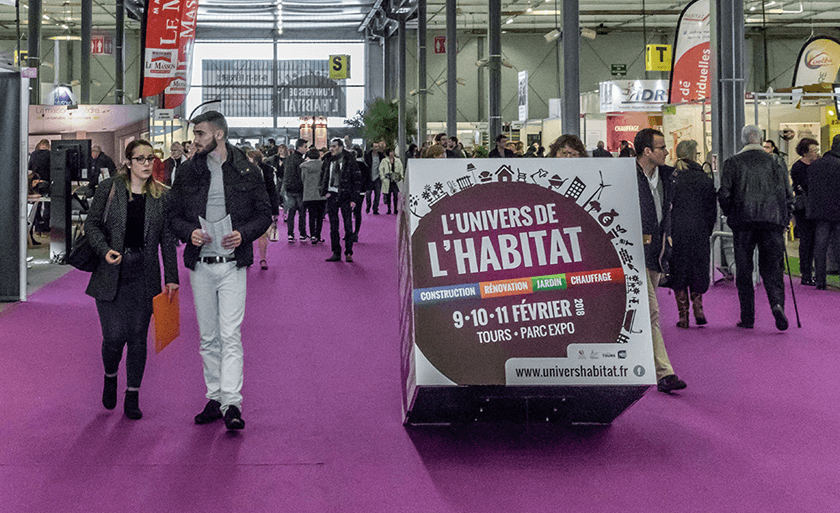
{"x":474,"y":237}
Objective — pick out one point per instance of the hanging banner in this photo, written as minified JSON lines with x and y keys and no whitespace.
{"x":818,"y":62}
{"x":524,"y":272}
{"x":176,"y":91}
{"x":523,"y":96}
{"x":691,"y":71}
{"x":160,"y":45}
{"x":632,"y":95}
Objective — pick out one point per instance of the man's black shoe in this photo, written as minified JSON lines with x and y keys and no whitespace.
{"x":233,"y":418}
{"x":348,"y":258}
{"x":781,"y":320}
{"x":211,"y":413}
{"x":670,"y":383}
{"x":334,"y":258}
{"x":745,"y":325}
{"x":808,"y":281}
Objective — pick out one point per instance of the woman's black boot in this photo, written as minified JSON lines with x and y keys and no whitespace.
{"x":109,"y":393}
{"x":132,"y":405}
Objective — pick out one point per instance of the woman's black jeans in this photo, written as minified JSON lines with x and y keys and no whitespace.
{"x":125,"y":320}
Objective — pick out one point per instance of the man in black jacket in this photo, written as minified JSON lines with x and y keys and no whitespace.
{"x":655,"y":194}
{"x":372,"y":159}
{"x":293,"y":189}
{"x":756,"y":197}
{"x":341,"y":182}
{"x":824,"y":209}
{"x":501,"y":150}
{"x":218,"y":185}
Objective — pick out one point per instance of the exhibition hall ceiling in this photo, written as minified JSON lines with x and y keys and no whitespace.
{"x":346,"y":19}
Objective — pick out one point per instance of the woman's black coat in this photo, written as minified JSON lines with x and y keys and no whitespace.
{"x":693,"y":217}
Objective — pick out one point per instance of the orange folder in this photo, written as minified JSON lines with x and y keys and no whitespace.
{"x":167,"y":319}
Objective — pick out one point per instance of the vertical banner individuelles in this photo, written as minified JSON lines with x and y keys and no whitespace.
{"x":691,"y":71}
{"x":177,"y":90}
{"x":523,"y":96}
{"x":818,"y":62}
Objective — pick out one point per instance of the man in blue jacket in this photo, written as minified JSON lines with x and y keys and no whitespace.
{"x":219,"y":182}
{"x":655,"y":194}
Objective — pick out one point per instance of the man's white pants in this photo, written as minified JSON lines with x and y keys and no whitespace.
{"x":219,"y":294}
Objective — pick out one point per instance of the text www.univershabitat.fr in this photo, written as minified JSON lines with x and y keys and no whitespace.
{"x":598,"y":371}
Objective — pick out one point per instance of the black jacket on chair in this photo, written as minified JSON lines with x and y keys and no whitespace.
{"x":246,"y":201}
{"x":111,"y":235}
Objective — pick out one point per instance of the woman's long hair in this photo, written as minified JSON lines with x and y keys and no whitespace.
{"x":152,"y":186}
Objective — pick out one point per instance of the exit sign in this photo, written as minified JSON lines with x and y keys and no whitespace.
{"x":618,"y":70}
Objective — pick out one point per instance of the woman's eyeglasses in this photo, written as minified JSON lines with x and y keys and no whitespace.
{"x":142,"y":160}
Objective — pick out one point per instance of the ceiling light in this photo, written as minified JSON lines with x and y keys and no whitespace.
{"x":587,"y":33}
{"x":509,"y":21}
{"x":529,"y":9}
{"x":552,"y":36}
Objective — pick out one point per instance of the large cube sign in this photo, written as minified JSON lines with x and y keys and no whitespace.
{"x":524,"y":272}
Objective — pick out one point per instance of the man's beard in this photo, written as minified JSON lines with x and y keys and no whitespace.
{"x":207,"y":149}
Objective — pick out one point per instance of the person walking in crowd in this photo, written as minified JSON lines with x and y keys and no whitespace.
{"x":175,"y":160}
{"x":314,"y":203}
{"x":271,"y":148}
{"x":567,"y":146}
{"x":824,"y":209}
{"x":293,"y":189}
{"x":391,"y":172}
{"x":454,"y":147}
{"x":655,"y":194}
{"x":599,"y":151}
{"x":693,"y":216}
{"x":341,"y":182}
{"x":216,"y":183}
{"x":372,"y":159}
{"x":808,"y":150}
{"x":435,"y":151}
{"x":770,"y":147}
{"x":100,"y":166}
{"x":256,"y":157}
{"x":126,"y":226}
{"x":501,"y":151}
{"x":625,"y":150}
{"x":367,"y":185}
{"x":756,"y":198}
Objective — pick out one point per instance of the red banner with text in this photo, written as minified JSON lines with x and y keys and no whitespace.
{"x":169,"y":34}
{"x":691,"y":72}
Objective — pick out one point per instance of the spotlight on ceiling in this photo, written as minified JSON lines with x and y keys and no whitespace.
{"x":587,"y":33}
{"x":554,"y":35}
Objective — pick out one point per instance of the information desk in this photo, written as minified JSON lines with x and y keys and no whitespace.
{"x":523,"y":291}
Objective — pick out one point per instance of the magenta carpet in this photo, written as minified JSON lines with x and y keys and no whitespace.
{"x":756,"y":430}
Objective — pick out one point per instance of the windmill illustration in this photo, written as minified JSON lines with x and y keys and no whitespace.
{"x":595,"y":205}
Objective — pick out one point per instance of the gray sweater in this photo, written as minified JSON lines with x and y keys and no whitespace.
{"x":310,"y":173}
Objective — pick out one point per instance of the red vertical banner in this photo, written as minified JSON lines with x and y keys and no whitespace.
{"x":161,"y":33}
{"x":177,"y":90}
{"x":691,"y":71}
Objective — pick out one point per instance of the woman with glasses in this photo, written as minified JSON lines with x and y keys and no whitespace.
{"x":693,"y":213}
{"x":567,"y":146}
{"x":126,"y":226}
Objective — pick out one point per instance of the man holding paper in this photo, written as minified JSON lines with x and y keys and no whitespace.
{"x":219,"y":206}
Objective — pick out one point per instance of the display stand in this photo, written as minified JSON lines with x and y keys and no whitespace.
{"x":523,"y":291}
{"x":13,"y":192}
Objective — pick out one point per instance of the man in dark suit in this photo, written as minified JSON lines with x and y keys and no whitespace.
{"x":599,"y":151}
{"x":756,"y":197}
{"x":372,"y":159}
{"x":175,"y":160}
{"x":341,"y":182}
{"x":501,"y":151}
{"x":824,"y":209}
{"x":655,"y":193}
